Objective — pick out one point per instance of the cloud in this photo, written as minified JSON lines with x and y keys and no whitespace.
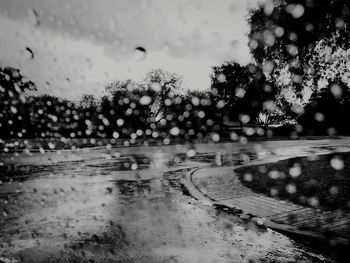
{"x":80,"y":45}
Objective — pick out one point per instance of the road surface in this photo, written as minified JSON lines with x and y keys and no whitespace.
{"x":129,"y":205}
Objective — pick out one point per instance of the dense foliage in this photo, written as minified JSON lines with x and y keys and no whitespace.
{"x":303,"y":46}
{"x":156,"y":108}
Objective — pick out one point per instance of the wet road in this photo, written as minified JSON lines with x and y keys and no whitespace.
{"x":126,"y":208}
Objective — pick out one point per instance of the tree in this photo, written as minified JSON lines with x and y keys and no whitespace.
{"x":289,"y":29}
{"x":126,"y":110}
{"x":329,"y":111}
{"x":13,"y":87}
{"x":279,"y":111}
{"x":286,"y":38}
{"x":88,"y":109}
{"x":240,"y":93}
{"x":165,"y":85}
{"x":88,"y":101}
{"x":188,"y":115}
{"x":50,"y":117}
{"x":229,"y":83}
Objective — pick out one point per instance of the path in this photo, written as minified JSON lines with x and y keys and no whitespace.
{"x":222,"y":186}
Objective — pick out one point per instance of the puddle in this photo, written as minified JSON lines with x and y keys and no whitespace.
{"x":174,"y":179}
{"x":126,"y":187}
{"x":22,"y":173}
{"x":216,"y":158}
{"x":124,"y":163}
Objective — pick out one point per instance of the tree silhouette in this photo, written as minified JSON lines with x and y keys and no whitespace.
{"x":165,"y":85}
{"x":329,"y":111}
{"x":13,"y":87}
{"x":300,"y":43}
{"x":239,"y":93}
{"x":278,"y":27}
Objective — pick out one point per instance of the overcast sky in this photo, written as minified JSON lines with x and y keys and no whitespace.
{"x":80,"y":45}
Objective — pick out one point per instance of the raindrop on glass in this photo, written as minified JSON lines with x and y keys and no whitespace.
{"x":33,"y":17}
{"x":140,"y":53}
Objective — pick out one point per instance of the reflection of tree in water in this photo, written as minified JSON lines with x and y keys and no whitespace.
{"x":16,"y":172}
{"x":127,"y":187}
{"x":124,"y":163}
{"x":216,"y":158}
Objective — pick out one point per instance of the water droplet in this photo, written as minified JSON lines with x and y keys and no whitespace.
{"x":234,"y":136}
{"x":215,"y":137}
{"x":140,"y":53}
{"x":195,"y":101}
{"x":175,"y":131}
{"x":109,"y":190}
{"x":334,"y":190}
{"x":274,"y":191}
{"x":134,"y":166}
{"x":120,"y":122}
{"x":313,"y":201}
{"x":319,"y":117}
{"x":336,"y":90}
{"x":51,"y":145}
{"x":291,"y":189}
{"x":145,"y":100}
{"x":253,"y":44}
{"x":295,"y":171}
{"x":240,"y":92}
{"x":248,"y":177}
{"x":221,"y":78}
{"x":13,"y":110}
{"x":279,"y":31}
{"x":29,"y":53}
{"x":33,"y":17}
{"x":269,"y":7}
{"x":340,"y":23}
{"x":292,"y":50}
{"x":156,"y":87}
{"x":191,"y":153}
{"x":295,"y":10}
{"x":115,"y":135}
{"x":337,"y":163}
{"x":220,"y":104}
{"x":244,"y":118}
{"x":235,"y":44}
{"x":274,"y":175}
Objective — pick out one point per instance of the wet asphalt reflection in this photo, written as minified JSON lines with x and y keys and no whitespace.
{"x":127,"y":208}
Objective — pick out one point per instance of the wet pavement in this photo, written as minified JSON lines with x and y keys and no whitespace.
{"x":128,"y":207}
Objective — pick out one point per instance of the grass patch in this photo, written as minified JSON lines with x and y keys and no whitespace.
{"x":318,"y":181}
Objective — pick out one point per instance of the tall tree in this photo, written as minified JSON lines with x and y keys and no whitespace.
{"x":165,"y":85}
{"x":328,"y":111}
{"x":13,"y":87}
{"x":229,"y":83}
{"x":240,"y":93}
{"x":126,"y":110}
{"x":286,"y":36}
